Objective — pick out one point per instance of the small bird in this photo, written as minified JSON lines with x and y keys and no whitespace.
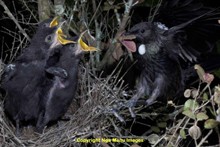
{"x":22,"y":79}
{"x":61,"y":84}
{"x":164,"y":54}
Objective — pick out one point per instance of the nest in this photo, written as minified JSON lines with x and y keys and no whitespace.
{"x":93,"y":114}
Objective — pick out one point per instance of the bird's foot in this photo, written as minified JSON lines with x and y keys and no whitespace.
{"x":131,"y":104}
{"x":40,"y":129}
{"x":66,"y":117}
{"x":18,"y":132}
{"x":114,"y":109}
{"x":118,"y":116}
{"x":18,"y":129}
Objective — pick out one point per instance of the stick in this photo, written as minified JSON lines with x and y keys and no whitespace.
{"x":7,"y":11}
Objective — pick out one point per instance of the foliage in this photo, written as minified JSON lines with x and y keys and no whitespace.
{"x":98,"y":111}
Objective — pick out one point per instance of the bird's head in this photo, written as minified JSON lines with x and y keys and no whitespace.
{"x":80,"y":46}
{"x":57,"y":38}
{"x":50,"y":34}
{"x":144,"y":37}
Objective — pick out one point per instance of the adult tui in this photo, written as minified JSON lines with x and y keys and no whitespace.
{"x":166,"y":55}
{"x":23,"y":79}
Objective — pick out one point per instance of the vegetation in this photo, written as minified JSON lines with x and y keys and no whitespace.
{"x":98,"y":110}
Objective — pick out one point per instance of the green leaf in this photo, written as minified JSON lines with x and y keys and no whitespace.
{"x":155,"y":129}
{"x":201,"y":116}
{"x":195,"y":93}
{"x":210,"y":124}
{"x":183,"y":133}
{"x":195,"y":132}
{"x":205,"y":97}
{"x":162,"y":124}
{"x":190,"y":105}
{"x":189,"y":113}
{"x":217,"y":72}
{"x":200,"y":71}
{"x":217,"y":95}
{"x":153,"y":138}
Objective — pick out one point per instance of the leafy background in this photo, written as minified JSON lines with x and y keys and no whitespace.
{"x":97,"y":110}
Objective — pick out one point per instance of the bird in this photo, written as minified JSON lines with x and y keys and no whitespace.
{"x":60,"y":86}
{"x":23,"y":78}
{"x":61,"y":83}
{"x":166,"y":47}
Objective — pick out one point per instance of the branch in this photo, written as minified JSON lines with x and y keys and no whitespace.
{"x":29,"y":10}
{"x":59,"y":6}
{"x":43,"y":9}
{"x":115,"y":45}
{"x":7,"y":11}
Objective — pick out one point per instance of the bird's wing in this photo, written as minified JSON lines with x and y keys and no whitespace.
{"x":193,"y":26}
{"x":8,"y":72}
{"x":176,"y":12}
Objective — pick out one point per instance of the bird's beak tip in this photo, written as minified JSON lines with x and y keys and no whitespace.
{"x":83,"y":46}
{"x":54,"y":22}
{"x":61,"y":37}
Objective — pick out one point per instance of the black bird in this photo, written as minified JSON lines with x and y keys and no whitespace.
{"x":165,"y":54}
{"x":61,"y":84}
{"x":22,"y":80}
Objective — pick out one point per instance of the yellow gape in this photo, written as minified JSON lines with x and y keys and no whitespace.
{"x":54,"y":22}
{"x":61,"y":37}
{"x":84,"y":46}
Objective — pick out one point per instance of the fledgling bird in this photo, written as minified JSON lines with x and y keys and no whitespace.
{"x":22,"y":80}
{"x":61,"y":84}
{"x":162,"y":53}
{"x":60,"y":87}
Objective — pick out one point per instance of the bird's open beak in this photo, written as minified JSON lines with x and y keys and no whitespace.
{"x":127,"y":41}
{"x":54,"y":22}
{"x":59,"y":37}
{"x":83,"y":46}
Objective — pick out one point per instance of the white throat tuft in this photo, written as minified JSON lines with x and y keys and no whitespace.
{"x":142,"y":49}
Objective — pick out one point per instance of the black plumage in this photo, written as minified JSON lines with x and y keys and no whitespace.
{"x":23,"y":78}
{"x":165,"y":54}
{"x":61,"y":81}
{"x":60,"y":86}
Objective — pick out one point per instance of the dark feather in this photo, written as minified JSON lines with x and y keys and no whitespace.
{"x":163,"y":52}
{"x":22,"y":80}
{"x":60,"y":86}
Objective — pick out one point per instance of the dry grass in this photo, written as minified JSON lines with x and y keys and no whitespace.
{"x":96,"y":116}
{"x":98,"y":110}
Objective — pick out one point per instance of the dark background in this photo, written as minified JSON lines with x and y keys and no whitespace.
{"x":19,"y":10}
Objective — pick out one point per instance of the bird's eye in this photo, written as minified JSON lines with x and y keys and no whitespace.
{"x":48,"y":39}
{"x":142,"y":31}
{"x":46,"y":25}
{"x":72,"y":45}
